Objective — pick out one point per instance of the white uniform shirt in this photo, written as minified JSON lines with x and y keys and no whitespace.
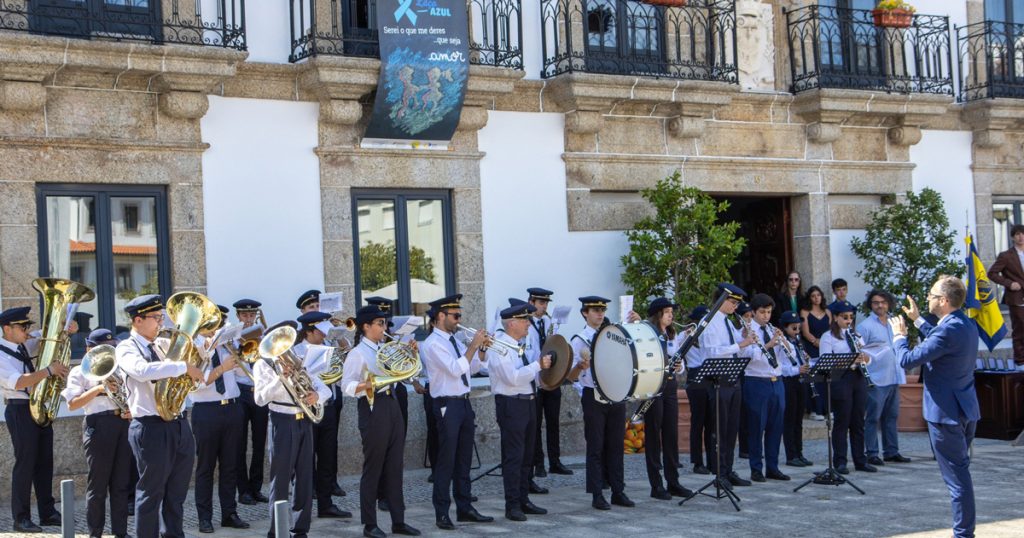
{"x":269,"y":390}
{"x":788,"y":369}
{"x":532,"y":340}
{"x":208,"y":393}
{"x":759,"y":365}
{"x":579,"y":342}
{"x":445,"y":366}
{"x":78,"y":385}
{"x":11,"y":369}
{"x":361,"y":359}
{"x":716,"y":342}
{"x":132,"y":354}
{"x":509,"y":376}
{"x":831,"y":344}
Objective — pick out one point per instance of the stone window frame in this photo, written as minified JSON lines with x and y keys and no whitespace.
{"x":106,"y":280}
{"x":403,"y":304}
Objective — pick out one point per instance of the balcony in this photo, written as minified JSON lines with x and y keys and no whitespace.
{"x":213,"y":23}
{"x":626,"y":37}
{"x":843,"y":49}
{"x":991,"y":55}
{"x":349,"y":28}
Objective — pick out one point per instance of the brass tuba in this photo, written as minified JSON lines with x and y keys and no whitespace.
{"x":399,"y":361}
{"x":277,"y":346}
{"x":54,"y":343}
{"x":99,"y":365}
{"x":191,"y":312}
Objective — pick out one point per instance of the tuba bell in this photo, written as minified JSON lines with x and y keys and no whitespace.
{"x":54,"y":343}
{"x":277,"y":346}
{"x":191,"y":312}
{"x":399,"y":361}
{"x":99,"y":365}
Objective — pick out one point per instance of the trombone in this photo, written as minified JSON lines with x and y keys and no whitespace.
{"x":505,"y":346}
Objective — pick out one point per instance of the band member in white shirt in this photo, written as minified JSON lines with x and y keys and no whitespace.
{"x":764,"y":394}
{"x":250,"y":472}
{"x":549,"y":402}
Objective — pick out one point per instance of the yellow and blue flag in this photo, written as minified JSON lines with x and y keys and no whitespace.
{"x":981,"y":300}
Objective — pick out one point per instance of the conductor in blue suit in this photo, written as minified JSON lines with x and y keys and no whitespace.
{"x":947,"y":353}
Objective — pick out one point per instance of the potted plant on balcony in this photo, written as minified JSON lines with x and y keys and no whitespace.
{"x":893,"y":14}
{"x":666,"y":3}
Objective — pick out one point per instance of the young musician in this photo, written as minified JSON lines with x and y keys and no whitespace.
{"x":744,"y":315}
{"x":793,"y":360}
{"x":380,"y":426}
{"x":250,"y":472}
{"x":849,"y":391}
{"x":291,"y":439}
{"x":401,"y":393}
{"x":764,"y":396}
{"x":105,"y":440}
{"x":549,"y":402}
{"x":164,"y":450}
{"x":701,"y":413}
{"x":604,"y":424}
{"x":514,"y":384}
{"x":32,"y":443}
{"x":309,"y":301}
{"x":450,"y":364}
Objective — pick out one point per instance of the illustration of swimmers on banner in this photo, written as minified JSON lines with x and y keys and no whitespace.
{"x":421,"y":92}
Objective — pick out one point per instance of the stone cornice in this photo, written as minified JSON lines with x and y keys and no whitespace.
{"x":826,"y":111}
{"x":990,"y":118}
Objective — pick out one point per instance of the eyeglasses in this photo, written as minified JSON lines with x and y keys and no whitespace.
{"x":157,"y":317}
{"x":454,"y":315}
{"x":380,"y":322}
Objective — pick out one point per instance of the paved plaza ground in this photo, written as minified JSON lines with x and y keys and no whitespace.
{"x":906,"y":500}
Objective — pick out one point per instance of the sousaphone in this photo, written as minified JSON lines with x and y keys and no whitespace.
{"x":561,"y":362}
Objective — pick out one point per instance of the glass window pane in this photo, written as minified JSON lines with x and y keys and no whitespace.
{"x":995,"y":10}
{"x":133,"y":232}
{"x":378,"y":259}
{"x":71,"y":251}
{"x":426,"y":252}
{"x":601,"y":25}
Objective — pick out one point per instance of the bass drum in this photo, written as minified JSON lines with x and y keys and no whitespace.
{"x":628,"y":362}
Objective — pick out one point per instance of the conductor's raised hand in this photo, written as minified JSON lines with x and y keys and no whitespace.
{"x":911,"y":310}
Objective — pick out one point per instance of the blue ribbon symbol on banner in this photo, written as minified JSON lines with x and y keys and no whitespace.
{"x":405,"y":8}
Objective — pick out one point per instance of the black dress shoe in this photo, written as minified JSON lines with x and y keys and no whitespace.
{"x":745,"y":455}
{"x":122,"y":536}
{"x":205,"y":526}
{"x":842,"y":469}
{"x":875,"y":460}
{"x":247,"y":499}
{"x":233,"y":522}
{"x":373,"y":532}
{"x":536,"y":489}
{"x":600,"y":503}
{"x":445,"y":523}
{"x":677,"y":490}
{"x":756,"y":476}
{"x":558,"y":468}
{"x":53,"y":520}
{"x":472,"y":516}
{"x":620,"y":499}
{"x":725,"y":483}
{"x":795,"y":462}
{"x":405,"y":530}
{"x":735,"y":479}
{"x":332,"y":512}
{"x":338,"y":492}
{"x":806,"y":462}
{"x":260,"y":498}
{"x":867,"y":468}
{"x":898,"y":458}
{"x":513,"y":514}
{"x":26,"y":525}
{"x":383,"y":505}
{"x":661,"y":494}
{"x":700,"y":469}
{"x":530,"y":508}
{"x":473,"y":499}
{"x":776,"y":475}
{"x":538,"y":471}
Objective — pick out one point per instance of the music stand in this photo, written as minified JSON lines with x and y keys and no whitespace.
{"x":829,"y":366}
{"x":715,"y":373}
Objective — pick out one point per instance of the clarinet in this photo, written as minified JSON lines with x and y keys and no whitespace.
{"x":856,"y":349}
{"x":806,"y":358}
{"x":789,"y":354}
{"x":760,"y":345}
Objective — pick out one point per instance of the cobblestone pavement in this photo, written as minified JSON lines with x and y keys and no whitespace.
{"x":908,"y":500}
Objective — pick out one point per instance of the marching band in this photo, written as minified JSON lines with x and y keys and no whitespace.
{"x":241,"y":378}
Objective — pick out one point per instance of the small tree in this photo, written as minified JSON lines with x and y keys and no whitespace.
{"x":907,"y":246}
{"x":377,"y":265}
{"x":683,"y":251}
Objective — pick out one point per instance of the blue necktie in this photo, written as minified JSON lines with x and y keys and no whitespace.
{"x":455,"y":346}
{"x":771,"y":352}
{"x":219,"y":383}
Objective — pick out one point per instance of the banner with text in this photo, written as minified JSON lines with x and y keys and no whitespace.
{"x":424,"y":66}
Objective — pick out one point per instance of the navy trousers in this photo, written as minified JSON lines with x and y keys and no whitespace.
{"x":725,"y":426}
{"x":428,"y":411}
{"x":517,"y":420}
{"x":383,"y":436}
{"x":604,"y":427}
{"x":325,"y":441}
{"x":218,"y":431}
{"x":33,"y":462}
{"x":105,"y":440}
{"x":661,"y":440}
{"x":765,"y":403}
{"x":165,"y":452}
{"x":793,"y":417}
{"x":250,"y":473}
{"x":455,"y":428}
{"x":951,"y":445}
{"x":849,"y":405}
{"x":702,"y":417}
{"x":549,"y":407}
{"x":291,"y":458}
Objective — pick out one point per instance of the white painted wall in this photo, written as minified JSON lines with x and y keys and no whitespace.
{"x":267,"y":32}
{"x":261,"y":195}
{"x":525,"y":225}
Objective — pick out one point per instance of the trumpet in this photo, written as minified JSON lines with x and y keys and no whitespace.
{"x":504,"y":346}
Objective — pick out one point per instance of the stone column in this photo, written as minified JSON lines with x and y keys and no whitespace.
{"x":811,"y":237}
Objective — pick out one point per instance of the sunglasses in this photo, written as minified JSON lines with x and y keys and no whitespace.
{"x":453,"y":315}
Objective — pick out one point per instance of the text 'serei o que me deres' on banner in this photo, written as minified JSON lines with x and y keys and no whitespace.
{"x":424,"y":48}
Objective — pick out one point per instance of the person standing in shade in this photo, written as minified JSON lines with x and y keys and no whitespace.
{"x":254,"y":421}
{"x":883,"y":408}
{"x":549,"y":402}
{"x":793,"y":361}
{"x":701,"y":407}
{"x":948,"y":349}
{"x":746,"y":312}
{"x":1008,"y":271}
{"x":32,"y":443}
{"x":849,"y":391}
{"x":817,"y":320}
{"x":789,"y":298}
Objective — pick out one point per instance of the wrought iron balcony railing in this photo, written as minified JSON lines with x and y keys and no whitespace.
{"x":349,"y":28}
{"x":832,"y":47}
{"x":627,"y":37}
{"x":991,"y":55}
{"x":214,"y":23}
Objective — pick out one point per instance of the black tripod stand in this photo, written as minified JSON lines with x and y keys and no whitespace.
{"x":824,"y":369}
{"x":716,"y":373}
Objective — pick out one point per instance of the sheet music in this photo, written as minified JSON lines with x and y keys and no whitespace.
{"x":339,"y":333}
{"x":330,"y":302}
{"x":317,"y":359}
{"x":406,"y":325}
{"x":253,"y":329}
{"x":229,"y":333}
{"x":560,"y":315}
{"x":625,"y":306}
